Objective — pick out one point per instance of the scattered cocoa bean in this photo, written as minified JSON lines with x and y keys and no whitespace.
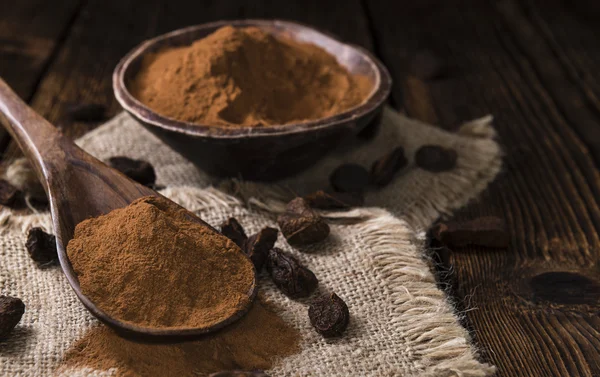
{"x":257,"y":246}
{"x":384,"y":169}
{"x":488,"y":231}
{"x":239,"y":373}
{"x":156,"y":187}
{"x":41,"y":246}
{"x":289,"y":275}
{"x":427,"y":65}
{"x":86,"y":112}
{"x":139,"y":170}
{"x":8,"y":193}
{"x":334,"y":200}
{"x":349,"y":178}
{"x":11,"y":311}
{"x":329,"y":315}
{"x":436,"y":158}
{"x":232,"y":229}
{"x":301,"y":225}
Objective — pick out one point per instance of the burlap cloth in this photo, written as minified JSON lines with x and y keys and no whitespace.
{"x":401,"y":323}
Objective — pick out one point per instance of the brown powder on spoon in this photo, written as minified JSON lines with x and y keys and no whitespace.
{"x":247,"y":77}
{"x":153,"y":265}
{"x":256,"y":341}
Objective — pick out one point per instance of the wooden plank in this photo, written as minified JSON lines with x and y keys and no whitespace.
{"x":576,"y":96}
{"x":532,"y":308}
{"x":30,"y":33}
{"x":105,"y":31}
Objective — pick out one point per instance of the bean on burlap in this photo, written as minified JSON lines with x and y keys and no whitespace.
{"x":401,"y":323}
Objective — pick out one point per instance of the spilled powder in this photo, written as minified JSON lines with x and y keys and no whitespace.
{"x":256,"y":341}
{"x":152,"y":264}
{"x":247,"y":77}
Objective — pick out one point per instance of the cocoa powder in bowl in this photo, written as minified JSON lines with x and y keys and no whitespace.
{"x":153,"y":265}
{"x":247,"y":77}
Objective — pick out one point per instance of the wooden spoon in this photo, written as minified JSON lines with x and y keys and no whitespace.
{"x":79,"y":187}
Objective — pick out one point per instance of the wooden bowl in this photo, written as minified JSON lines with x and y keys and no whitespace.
{"x":264,"y":153}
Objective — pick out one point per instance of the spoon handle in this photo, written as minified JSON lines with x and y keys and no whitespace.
{"x":38,"y":139}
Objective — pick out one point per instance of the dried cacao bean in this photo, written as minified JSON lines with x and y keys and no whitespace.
{"x":427,"y":65}
{"x":139,"y":170}
{"x":301,"y":225}
{"x":232,"y":229}
{"x":385,"y":168}
{"x":436,"y":158}
{"x":289,"y":275}
{"x":488,"y":231}
{"x":11,"y":311}
{"x":41,"y":247}
{"x":257,"y":247}
{"x":334,"y":200}
{"x":329,"y":315}
{"x":86,"y":112}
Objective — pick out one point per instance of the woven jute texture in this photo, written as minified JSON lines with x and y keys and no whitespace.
{"x":401,"y":323}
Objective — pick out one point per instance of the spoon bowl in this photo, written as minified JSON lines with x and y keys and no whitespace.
{"x":79,"y":187}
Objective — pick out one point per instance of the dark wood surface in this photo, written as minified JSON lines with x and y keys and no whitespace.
{"x":533,"y":64}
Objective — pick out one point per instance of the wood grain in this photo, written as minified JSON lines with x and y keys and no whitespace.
{"x":31,"y":33}
{"x":532,"y":308}
{"x":105,"y":31}
{"x":533,"y":64}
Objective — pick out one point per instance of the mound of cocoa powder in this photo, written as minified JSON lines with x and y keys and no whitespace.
{"x":152,"y":264}
{"x":247,"y":77}
{"x":255,"y":342}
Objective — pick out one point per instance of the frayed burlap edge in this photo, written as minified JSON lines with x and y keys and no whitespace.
{"x":424,"y":316}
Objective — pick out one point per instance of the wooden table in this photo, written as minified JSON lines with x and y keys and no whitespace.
{"x":534,"y":65}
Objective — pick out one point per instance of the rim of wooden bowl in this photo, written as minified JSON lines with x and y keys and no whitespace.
{"x":378,"y":95}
